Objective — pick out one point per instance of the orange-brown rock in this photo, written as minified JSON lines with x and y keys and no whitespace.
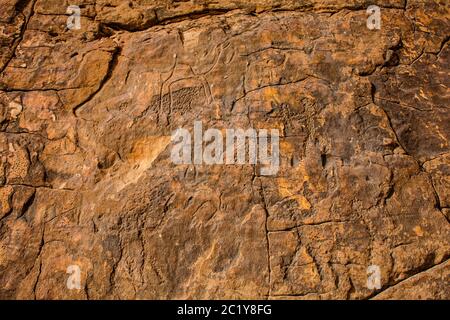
{"x":86,"y":177}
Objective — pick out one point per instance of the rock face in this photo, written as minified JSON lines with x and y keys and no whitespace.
{"x":87,"y":180}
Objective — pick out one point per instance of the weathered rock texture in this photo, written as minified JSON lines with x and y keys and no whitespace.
{"x":86,"y":176}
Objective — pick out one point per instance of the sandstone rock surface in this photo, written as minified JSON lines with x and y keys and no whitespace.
{"x":86,"y":178}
